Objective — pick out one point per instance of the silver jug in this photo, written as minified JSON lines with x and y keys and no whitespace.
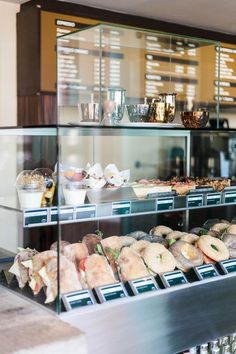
{"x":162,"y":108}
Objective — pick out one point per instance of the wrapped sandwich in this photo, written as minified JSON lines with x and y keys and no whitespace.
{"x":20,"y":268}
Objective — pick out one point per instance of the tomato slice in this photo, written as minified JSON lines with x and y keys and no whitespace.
{"x":82,"y":264}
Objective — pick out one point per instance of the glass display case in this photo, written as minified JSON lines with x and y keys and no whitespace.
{"x":99,"y":202}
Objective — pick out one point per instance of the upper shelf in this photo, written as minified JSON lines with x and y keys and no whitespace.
{"x":123,"y":208}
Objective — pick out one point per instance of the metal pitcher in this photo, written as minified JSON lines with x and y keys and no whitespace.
{"x":162,"y":108}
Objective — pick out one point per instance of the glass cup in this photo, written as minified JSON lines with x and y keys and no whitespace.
{"x":113,"y":106}
{"x":30,"y":188}
{"x":74,"y":193}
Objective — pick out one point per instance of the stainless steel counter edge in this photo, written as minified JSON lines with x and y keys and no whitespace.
{"x":166,"y":321}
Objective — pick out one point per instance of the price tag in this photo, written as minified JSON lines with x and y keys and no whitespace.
{"x":206,"y":271}
{"x":66,"y":214}
{"x":194,"y":200}
{"x":111,"y":292}
{"x":165,"y":203}
{"x":143,"y":206}
{"x":230,"y":197}
{"x":35,"y":217}
{"x":85,"y":212}
{"x":228,"y":266}
{"x":53,"y":214}
{"x":213,"y":199}
{"x":121,"y":208}
{"x":143,"y":285}
{"x":173,"y":278}
{"x":78,"y":299}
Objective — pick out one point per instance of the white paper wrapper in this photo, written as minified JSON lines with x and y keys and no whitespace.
{"x":114,"y":177}
{"x":95,"y":171}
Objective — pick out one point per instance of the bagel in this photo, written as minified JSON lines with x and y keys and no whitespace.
{"x":213,"y":248}
{"x":127,"y":241}
{"x":199,"y":231}
{"x":220,"y":227}
{"x":213,"y":233}
{"x":158,"y":259}
{"x":232,"y":229}
{"x":131,"y":265}
{"x":230,"y":242}
{"x":159,"y":239}
{"x":186,"y":255}
{"x":139,"y":246}
{"x":190,"y":238}
{"x":160,"y":230}
{"x":138,"y":235}
{"x":175,"y":235}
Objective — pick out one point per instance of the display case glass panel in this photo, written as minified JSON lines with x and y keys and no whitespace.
{"x":129,"y":66}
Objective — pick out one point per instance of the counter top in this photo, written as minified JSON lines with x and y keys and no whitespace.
{"x":29,"y":328}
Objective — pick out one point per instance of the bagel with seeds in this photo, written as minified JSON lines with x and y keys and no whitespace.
{"x":213,"y":248}
{"x":158,"y":259}
{"x":186,"y":255}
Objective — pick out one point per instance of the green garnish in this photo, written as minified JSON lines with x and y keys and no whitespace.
{"x":99,"y":233}
{"x":202,"y":232}
{"x":99,"y":249}
{"x":171,"y":241}
{"x":114,"y":254}
{"x":214,"y":247}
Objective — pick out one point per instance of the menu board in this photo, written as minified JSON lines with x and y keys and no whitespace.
{"x":227,"y":65}
{"x":163,"y":65}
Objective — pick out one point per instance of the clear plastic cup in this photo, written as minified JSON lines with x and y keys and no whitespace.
{"x":30,"y":188}
{"x":74,"y":193}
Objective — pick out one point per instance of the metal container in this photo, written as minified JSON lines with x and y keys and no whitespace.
{"x":195,"y":119}
{"x":162,"y":108}
{"x":89,"y":112}
{"x":113,"y":105}
{"x":138,"y":112}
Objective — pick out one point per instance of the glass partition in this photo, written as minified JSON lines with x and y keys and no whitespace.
{"x":105,"y":71}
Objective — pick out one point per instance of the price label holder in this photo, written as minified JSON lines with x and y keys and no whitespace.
{"x":194,"y":200}
{"x":85,"y":212}
{"x":170,"y":279}
{"x":143,"y":285}
{"x":111,"y":292}
{"x":121,"y":208}
{"x":213,"y":199}
{"x":35,"y":217}
{"x":66,"y":213}
{"x":230,"y":197}
{"x":165,"y":203}
{"x":76,"y":299}
{"x":206,"y":271}
{"x":54,"y":214}
{"x":143,"y":206}
{"x":228,"y":266}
